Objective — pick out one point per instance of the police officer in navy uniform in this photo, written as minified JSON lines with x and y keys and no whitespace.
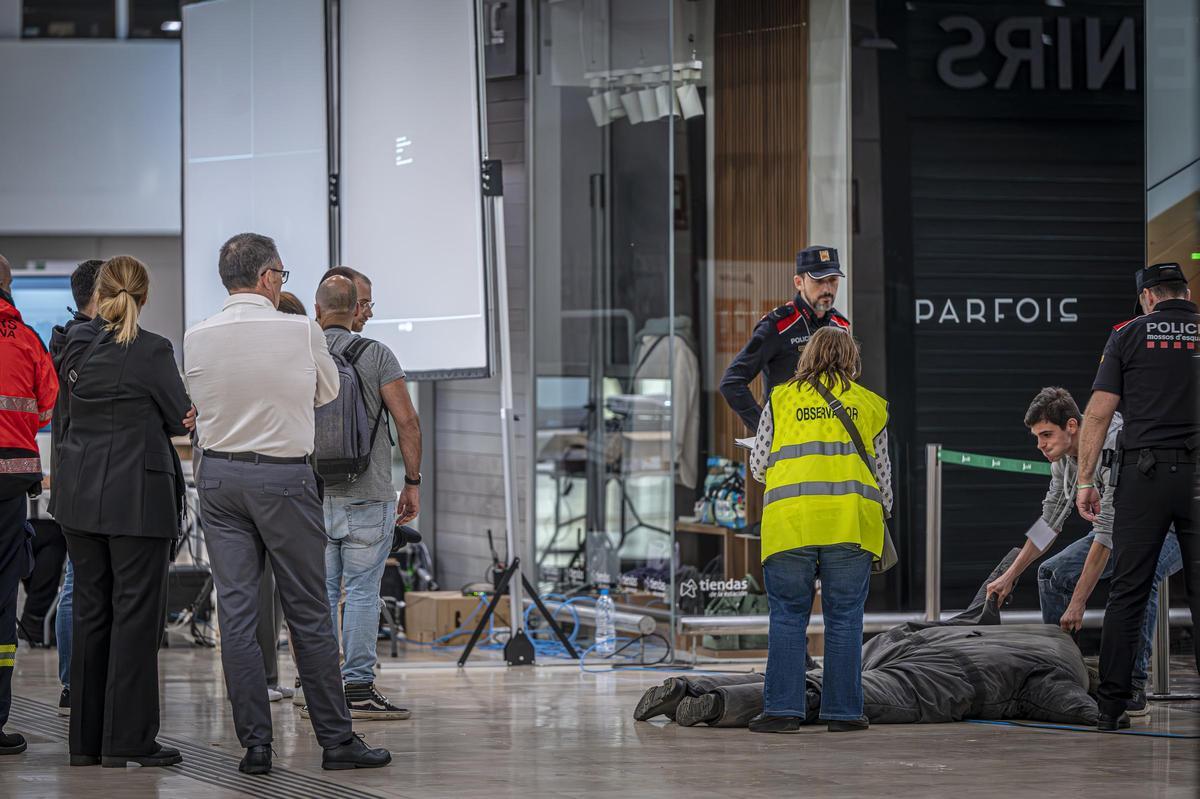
{"x":1149,"y":371}
{"x":774,"y":349}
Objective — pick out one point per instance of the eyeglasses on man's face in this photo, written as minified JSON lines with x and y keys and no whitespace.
{"x":283,"y":274}
{"x":367,"y":304}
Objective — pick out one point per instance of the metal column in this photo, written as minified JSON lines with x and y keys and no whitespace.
{"x":1160,"y":652}
{"x":933,"y":533}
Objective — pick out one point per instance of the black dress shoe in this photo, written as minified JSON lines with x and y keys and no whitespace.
{"x":764,"y":723}
{"x":1112,"y":723}
{"x":257,"y":760}
{"x":163,"y":756}
{"x":354,"y":754}
{"x":11,"y":743}
{"x":851,"y":725}
{"x":85,"y":760}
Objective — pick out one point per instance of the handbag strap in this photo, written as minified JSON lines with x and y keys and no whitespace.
{"x":839,"y":410}
{"x":73,"y":374}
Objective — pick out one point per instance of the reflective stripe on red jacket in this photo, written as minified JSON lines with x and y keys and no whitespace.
{"x":28,"y":388}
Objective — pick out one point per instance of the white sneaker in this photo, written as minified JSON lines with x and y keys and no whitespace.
{"x":273,"y":695}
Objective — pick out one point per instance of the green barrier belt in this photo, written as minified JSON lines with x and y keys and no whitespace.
{"x":989,"y":462}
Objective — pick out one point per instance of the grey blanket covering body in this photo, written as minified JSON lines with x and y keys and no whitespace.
{"x":919,"y":674}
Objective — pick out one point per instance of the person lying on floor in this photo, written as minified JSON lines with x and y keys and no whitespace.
{"x":914,"y":674}
{"x":919,"y":673}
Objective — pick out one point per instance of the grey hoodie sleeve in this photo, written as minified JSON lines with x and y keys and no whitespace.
{"x":1055,"y":506}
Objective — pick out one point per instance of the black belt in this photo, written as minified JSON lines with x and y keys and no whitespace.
{"x":253,"y":457}
{"x":1164,"y":455}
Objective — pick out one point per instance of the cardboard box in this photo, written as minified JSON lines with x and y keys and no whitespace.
{"x":432,"y":615}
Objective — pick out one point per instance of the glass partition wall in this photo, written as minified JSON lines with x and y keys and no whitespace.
{"x":671,"y":189}
{"x":603,"y":106}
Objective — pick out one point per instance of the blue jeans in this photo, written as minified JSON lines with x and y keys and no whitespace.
{"x":62,"y":625}
{"x":1058,"y":576}
{"x":360,"y":538}
{"x":845,"y":573}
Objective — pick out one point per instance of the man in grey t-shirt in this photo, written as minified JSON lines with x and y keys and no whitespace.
{"x":360,"y":516}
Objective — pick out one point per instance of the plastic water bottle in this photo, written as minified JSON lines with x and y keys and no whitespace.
{"x":606,"y":628}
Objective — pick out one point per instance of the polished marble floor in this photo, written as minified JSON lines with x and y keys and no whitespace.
{"x":553,"y":731}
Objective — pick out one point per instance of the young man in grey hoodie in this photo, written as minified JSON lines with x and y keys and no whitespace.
{"x":1067,"y":580}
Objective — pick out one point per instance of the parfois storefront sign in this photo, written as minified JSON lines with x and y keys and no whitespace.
{"x":996,"y":310}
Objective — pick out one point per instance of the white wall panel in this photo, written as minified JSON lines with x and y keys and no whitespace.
{"x":254,"y":139}
{"x":90,"y":139}
{"x":411,"y":204}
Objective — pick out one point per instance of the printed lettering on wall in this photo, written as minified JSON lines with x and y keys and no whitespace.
{"x":996,"y":310}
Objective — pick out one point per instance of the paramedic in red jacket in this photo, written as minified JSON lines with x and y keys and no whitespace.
{"x":28,"y":388}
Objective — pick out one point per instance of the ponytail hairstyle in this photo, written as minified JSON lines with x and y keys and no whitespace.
{"x":121,"y":290}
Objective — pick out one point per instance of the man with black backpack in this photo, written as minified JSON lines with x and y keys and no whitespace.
{"x":354,"y":456}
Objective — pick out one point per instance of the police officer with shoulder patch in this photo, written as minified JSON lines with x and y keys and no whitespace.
{"x":1149,"y":370}
{"x":774,"y":349}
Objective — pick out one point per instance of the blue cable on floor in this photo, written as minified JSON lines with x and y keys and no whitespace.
{"x":1068,"y":728}
{"x":551,"y":646}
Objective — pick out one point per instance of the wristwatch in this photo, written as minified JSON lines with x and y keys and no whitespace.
{"x":412,"y":481}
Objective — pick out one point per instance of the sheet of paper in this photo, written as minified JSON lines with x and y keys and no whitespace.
{"x":745,"y":443}
{"x":1041,"y":534}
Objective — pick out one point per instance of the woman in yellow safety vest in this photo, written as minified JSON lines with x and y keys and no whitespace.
{"x":823,"y":518}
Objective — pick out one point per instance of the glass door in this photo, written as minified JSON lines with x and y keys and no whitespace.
{"x":604,"y":108}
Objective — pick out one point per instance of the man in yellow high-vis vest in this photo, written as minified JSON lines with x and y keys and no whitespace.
{"x":823,"y":517}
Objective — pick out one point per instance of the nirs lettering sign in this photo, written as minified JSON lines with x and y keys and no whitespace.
{"x":1063,"y":53}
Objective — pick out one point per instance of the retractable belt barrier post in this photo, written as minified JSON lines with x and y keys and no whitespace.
{"x":935,"y":456}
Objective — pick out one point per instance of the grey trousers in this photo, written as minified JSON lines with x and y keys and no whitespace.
{"x":270,"y":616}
{"x":250,"y":511}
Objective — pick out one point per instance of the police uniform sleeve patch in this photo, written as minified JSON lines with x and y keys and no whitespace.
{"x":785,"y":316}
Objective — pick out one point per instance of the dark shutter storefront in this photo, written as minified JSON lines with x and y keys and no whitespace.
{"x":1013,"y":224}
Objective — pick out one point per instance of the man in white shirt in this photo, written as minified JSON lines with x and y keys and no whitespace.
{"x":255,"y":376}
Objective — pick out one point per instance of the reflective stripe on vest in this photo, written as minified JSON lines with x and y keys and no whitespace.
{"x":811,"y":448}
{"x":816,"y":488}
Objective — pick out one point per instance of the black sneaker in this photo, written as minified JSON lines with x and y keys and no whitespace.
{"x":848,"y":725}
{"x":367,"y":703}
{"x":1137,"y":706}
{"x":11,"y":743}
{"x":64,"y":702}
{"x":1107,"y":723}
{"x":784,"y":724}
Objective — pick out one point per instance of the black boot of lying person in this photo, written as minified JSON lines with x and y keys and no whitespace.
{"x":661,"y":700}
{"x":703,"y":709}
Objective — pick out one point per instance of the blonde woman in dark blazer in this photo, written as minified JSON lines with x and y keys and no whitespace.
{"x":119,"y":495}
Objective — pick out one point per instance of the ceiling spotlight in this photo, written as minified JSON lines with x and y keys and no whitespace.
{"x":172,"y":26}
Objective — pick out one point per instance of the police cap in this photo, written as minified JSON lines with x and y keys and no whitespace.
{"x":1159,"y":273}
{"x":820,"y":262}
